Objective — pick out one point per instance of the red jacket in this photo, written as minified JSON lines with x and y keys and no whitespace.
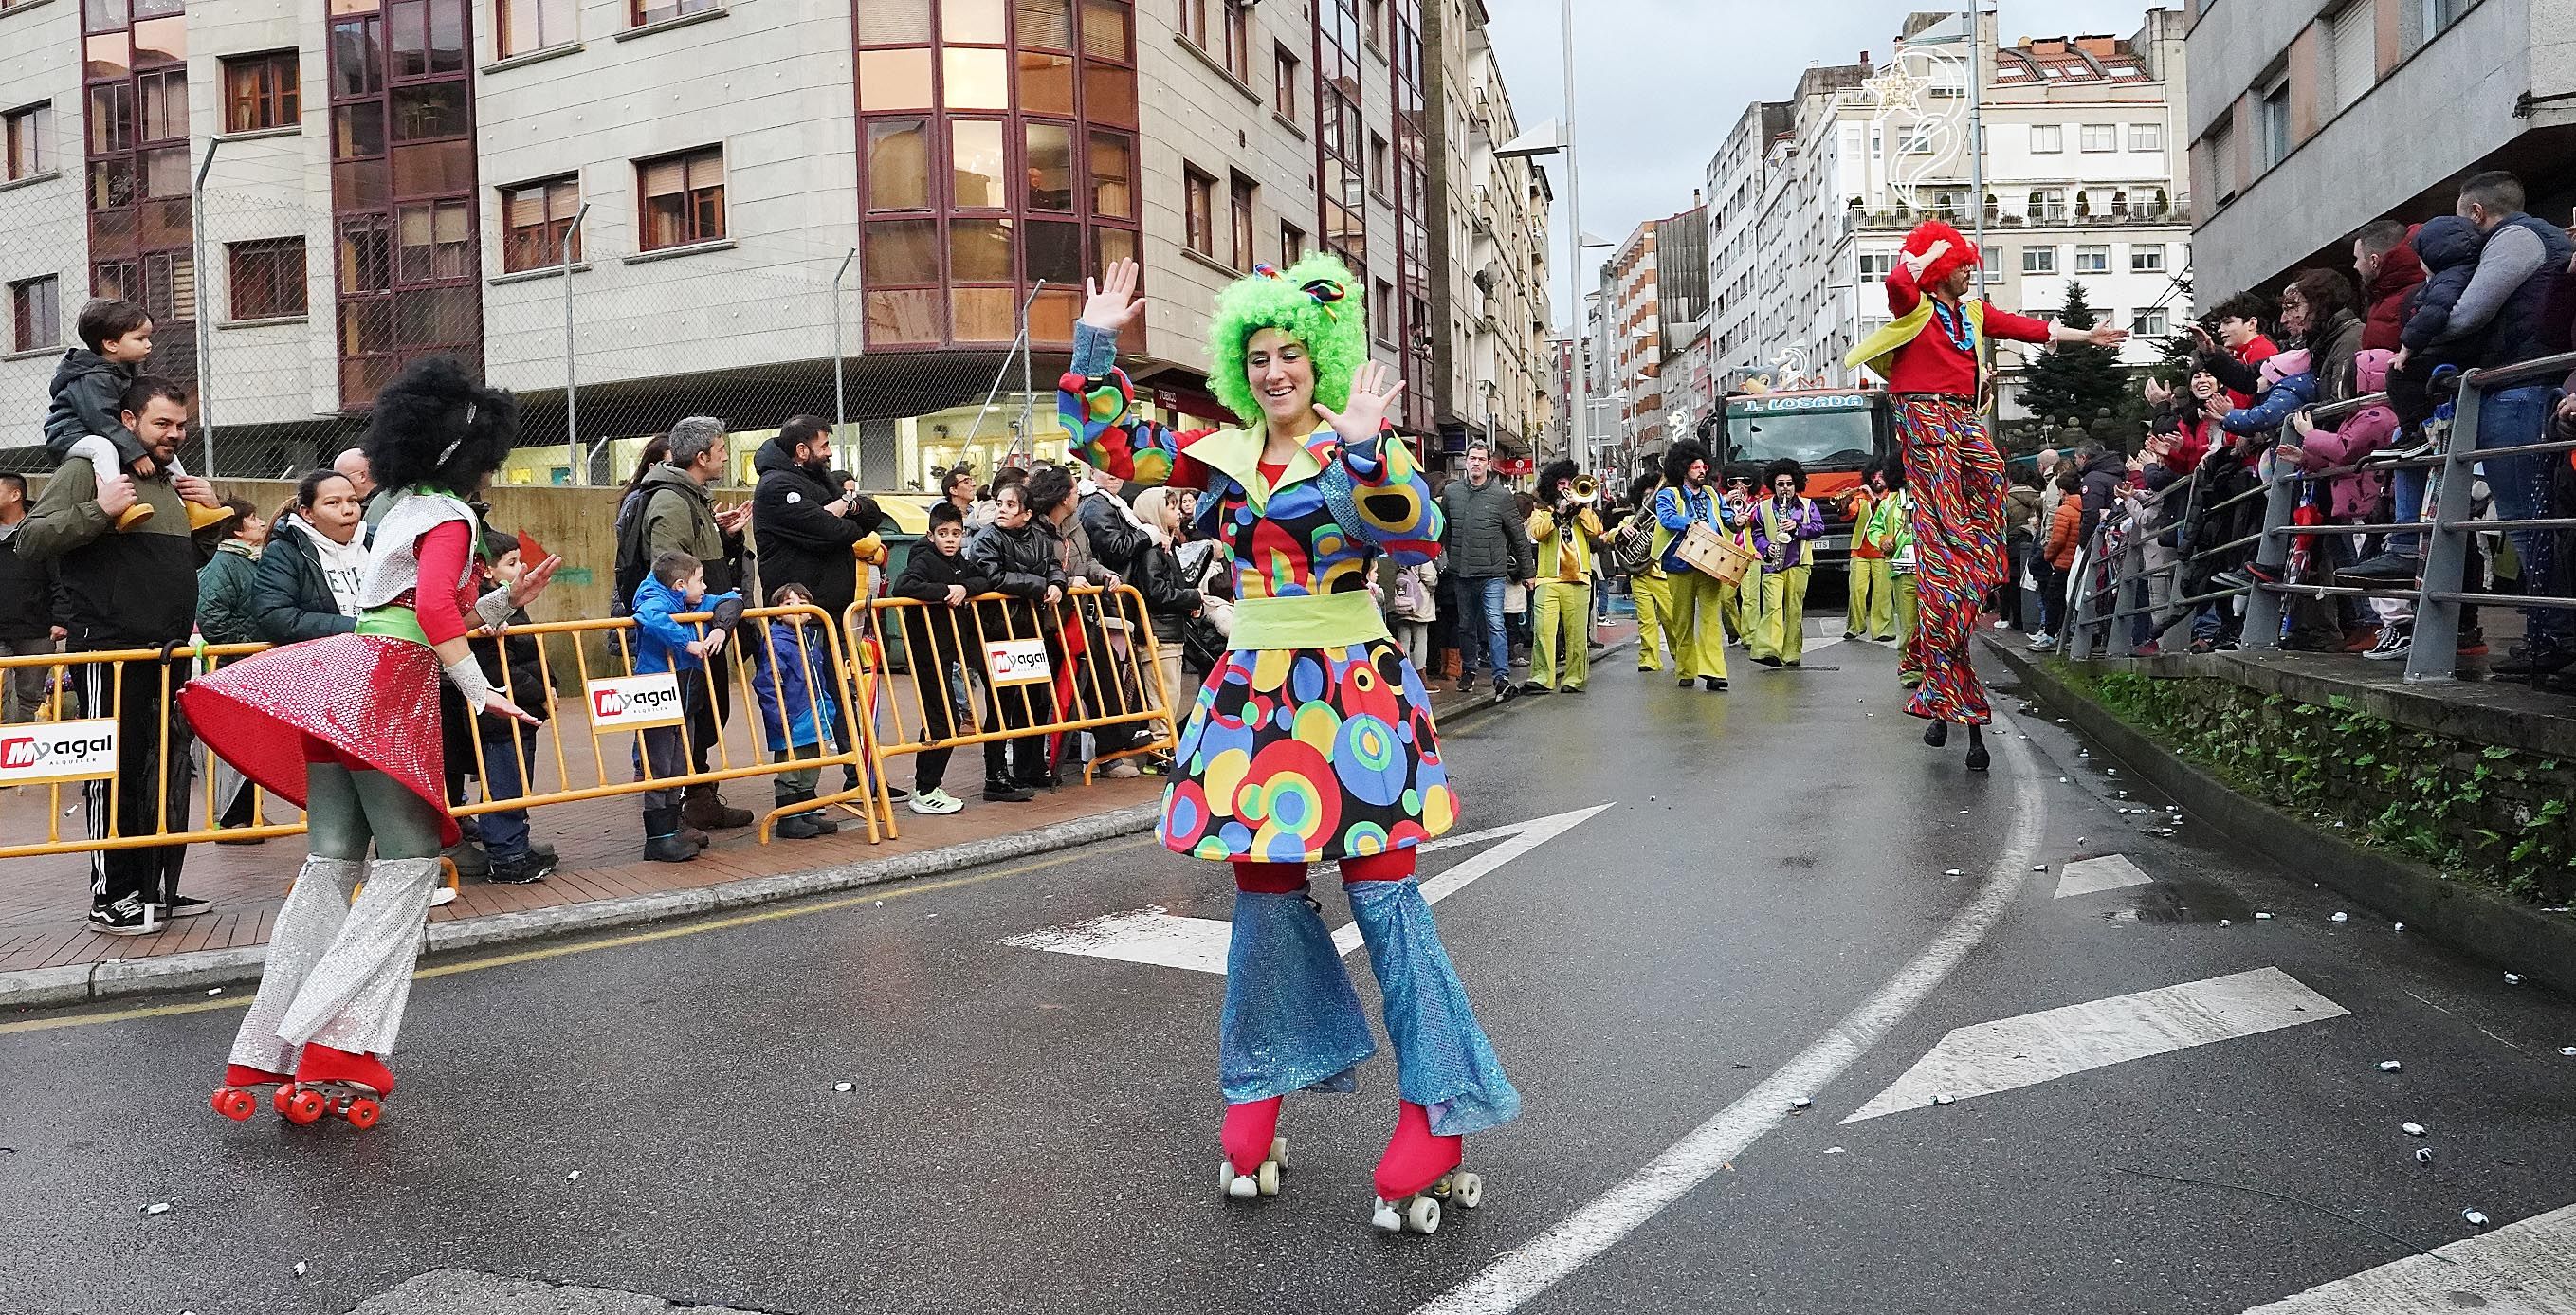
{"x":1932,"y":363}
{"x":2399,"y":271}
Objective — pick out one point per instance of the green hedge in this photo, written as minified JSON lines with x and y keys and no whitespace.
{"x":2484,"y":813}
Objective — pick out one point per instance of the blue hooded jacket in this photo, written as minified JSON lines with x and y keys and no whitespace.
{"x":797,"y":710}
{"x":2448,"y":248}
{"x":662,"y":644}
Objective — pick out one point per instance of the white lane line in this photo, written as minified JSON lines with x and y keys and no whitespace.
{"x":1984,"y":1058}
{"x":1533,"y":1267}
{"x":2091,"y":875}
{"x":1167,"y":940}
{"x":2526,"y":1268}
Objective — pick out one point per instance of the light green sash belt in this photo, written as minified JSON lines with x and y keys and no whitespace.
{"x":1329,"y":621}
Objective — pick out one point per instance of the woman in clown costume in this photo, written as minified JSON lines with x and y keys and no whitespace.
{"x":1934,"y":356}
{"x":1312,"y":740}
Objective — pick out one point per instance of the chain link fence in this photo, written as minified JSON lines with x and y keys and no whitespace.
{"x":288,"y":314}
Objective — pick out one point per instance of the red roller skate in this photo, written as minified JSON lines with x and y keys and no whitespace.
{"x":336,"y":1082}
{"x":1255,"y":1155}
{"x":1418,"y":1173}
{"x":237,"y":1100}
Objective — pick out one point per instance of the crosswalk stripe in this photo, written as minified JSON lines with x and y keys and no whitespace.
{"x":2527,"y":1268}
{"x":1160,"y":938}
{"x":2009,"y":1053}
{"x":2090,"y":875}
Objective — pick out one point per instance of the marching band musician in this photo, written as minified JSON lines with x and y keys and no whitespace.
{"x":1569,"y":534}
{"x":1684,"y":501}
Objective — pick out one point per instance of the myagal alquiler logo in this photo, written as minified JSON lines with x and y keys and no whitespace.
{"x":60,"y":751}
{"x":634,"y":702}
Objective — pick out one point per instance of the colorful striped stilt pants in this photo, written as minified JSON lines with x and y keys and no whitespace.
{"x":1958,"y":483}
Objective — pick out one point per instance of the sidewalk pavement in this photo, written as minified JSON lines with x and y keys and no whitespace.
{"x":49,"y":956}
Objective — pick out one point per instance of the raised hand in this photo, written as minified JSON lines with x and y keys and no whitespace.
{"x":1110,"y":302}
{"x":1374,"y":387}
{"x":534,"y":580}
{"x":1915,"y":265}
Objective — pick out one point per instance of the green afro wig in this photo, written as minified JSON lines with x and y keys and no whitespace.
{"x":1335,"y":332}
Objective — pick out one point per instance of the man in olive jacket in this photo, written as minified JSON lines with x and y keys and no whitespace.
{"x":134,"y":590}
{"x":1488,"y":546}
{"x":679,"y":514}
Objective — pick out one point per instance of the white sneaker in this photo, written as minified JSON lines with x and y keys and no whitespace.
{"x":2043,"y":644}
{"x":935,"y":803}
{"x":1124,"y":769}
{"x":2001,"y":624}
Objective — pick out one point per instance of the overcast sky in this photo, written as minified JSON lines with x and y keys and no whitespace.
{"x":1662,"y":80}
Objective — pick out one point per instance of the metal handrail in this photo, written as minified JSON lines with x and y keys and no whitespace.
{"x":2438,"y":592}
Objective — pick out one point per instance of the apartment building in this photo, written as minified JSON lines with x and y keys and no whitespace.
{"x":1737,"y":179}
{"x":2310,"y":118}
{"x":1489,"y":313}
{"x":2082,"y":185}
{"x":752,"y":208}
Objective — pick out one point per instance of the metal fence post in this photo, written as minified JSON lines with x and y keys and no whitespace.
{"x":578,"y":460}
{"x":2263,"y":606}
{"x":2127,"y":580}
{"x":2436,"y":651}
{"x":204,"y":322}
{"x":2074,"y":638}
{"x":840,"y":395}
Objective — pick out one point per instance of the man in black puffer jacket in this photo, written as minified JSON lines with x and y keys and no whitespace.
{"x":806,"y":529}
{"x":804,"y":524}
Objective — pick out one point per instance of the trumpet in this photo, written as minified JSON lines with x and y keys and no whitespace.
{"x":1586,"y":491}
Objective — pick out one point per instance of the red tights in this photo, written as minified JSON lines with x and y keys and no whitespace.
{"x":1289,"y":878}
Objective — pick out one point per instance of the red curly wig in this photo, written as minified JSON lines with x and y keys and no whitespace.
{"x":1961,"y":255}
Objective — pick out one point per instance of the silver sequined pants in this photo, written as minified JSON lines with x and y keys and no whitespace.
{"x":339,"y":973}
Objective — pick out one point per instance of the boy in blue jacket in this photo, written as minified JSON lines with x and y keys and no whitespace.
{"x":676,"y":585}
{"x":792,"y":676}
{"x":2449,"y":247}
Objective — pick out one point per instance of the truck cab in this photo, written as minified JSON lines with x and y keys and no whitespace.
{"x":1836,"y":433}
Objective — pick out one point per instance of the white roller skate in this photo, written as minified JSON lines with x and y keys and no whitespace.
{"x":1250,"y":1128}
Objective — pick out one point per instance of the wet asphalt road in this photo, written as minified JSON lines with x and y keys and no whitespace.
{"x":1036,"y":1131}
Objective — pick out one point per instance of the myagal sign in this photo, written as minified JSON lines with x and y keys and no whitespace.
{"x":634,"y":703}
{"x":1017,"y":661}
{"x":58,"y":751}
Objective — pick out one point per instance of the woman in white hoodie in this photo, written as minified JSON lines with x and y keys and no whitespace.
{"x":307,"y":585}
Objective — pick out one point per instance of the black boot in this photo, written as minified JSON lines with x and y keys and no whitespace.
{"x":1977,"y":759}
{"x":662,"y":842}
{"x":1937,"y":734}
{"x":706,"y":810}
{"x":803,"y":826}
{"x":1001,"y":790}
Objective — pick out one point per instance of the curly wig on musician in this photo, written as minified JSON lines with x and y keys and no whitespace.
{"x":437,"y":425}
{"x":1551,"y":473}
{"x":1678,"y":459}
{"x":1334,"y":331}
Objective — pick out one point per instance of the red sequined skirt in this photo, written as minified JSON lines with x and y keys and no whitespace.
{"x":371,"y":700}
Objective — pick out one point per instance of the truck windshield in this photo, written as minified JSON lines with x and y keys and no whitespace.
{"x":1812,"y":435}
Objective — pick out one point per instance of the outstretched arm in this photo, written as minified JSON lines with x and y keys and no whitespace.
{"x":1097,"y":402}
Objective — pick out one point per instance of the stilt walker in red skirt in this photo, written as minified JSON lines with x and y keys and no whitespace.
{"x":347,"y":727}
{"x":1934,"y":357}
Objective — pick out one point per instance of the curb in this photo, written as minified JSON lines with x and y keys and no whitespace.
{"x":2470,"y":919}
{"x":199,"y":969}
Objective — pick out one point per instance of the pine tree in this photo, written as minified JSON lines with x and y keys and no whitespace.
{"x":2074,"y":381}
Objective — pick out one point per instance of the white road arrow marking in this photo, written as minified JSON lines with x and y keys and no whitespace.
{"x":2109,"y":872}
{"x":2008,"y":1053}
{"x":1163,"y":939}
{"x":2527,"y":1267}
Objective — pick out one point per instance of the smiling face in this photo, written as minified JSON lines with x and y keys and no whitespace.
{"x":1282,"y":376}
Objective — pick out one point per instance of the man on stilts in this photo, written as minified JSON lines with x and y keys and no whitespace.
{"x":1951,"y":464}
